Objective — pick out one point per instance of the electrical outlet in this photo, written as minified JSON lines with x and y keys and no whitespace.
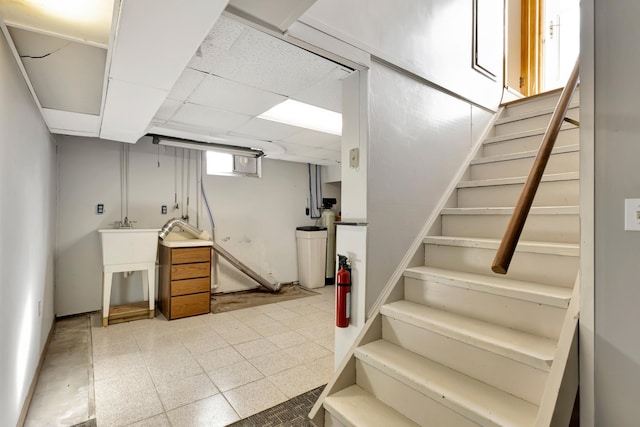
{"x":306,"y":211}
{"x":354,"y":158}
{"x":100,"y":209}
{"x":163,"y":210}
{"x":632,"y":214}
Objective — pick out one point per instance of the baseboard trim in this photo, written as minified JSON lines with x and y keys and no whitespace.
{"x":36,"y":375}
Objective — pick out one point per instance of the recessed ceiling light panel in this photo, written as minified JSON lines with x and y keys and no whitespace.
{"x":306,"y":116}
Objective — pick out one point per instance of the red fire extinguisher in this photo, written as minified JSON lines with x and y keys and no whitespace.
{"x":343,"y":293}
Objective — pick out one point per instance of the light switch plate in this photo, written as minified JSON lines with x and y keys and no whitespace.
{"x":632,"y":214}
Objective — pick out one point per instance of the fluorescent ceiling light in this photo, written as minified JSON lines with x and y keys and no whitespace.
{"x":75,"y":10}
{"x":303,"y":115}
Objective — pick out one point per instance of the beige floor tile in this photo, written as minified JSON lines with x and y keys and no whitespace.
{"x":176,"y":370}
{"x":273,"y":363}
{"x":238,"y":334}
{"x":327,"y":341}
{"x":271,"y":329}
{"x":124,"y":408}
{"x":269,"y":308}
{"x":233,"y":376}
{"x":297,"y":380}
{"x":211,"y":412}
{"x":118,"y":365}
{"x":282,"y":315}
{"x":307,"y":352}
{"x":257,"y":320}
{"x":255,"y":397}
{"x":117,"y":348}
{"x":134,"y":381}
{"x":256,"y":348}
{"x":185,"y":391}
{"x":287,"y":339}
{"x":217,"y":359}
{"x":209,"y":342}
{"x":155,"y":421}
{"x":304,"y":309}
{"x":244,"y":313}
{"x":317,"y":331}
{"x":324,"y":367}
{"x":291,"y":303}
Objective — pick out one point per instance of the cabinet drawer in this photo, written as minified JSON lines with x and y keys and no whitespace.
{"x":190,"y":286}
{"x":190,"y":255}
{"x":190,"y":305}
{"x":190,"y":271}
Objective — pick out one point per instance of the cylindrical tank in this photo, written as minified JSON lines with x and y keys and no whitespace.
{"x":327,"y":220}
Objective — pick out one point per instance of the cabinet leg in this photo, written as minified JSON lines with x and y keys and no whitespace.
{"x":106,"y":297}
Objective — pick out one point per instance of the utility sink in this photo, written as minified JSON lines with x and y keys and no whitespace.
{"x":124,"y":250}
{"x":182,"y":239}
{"x":129,"y":245}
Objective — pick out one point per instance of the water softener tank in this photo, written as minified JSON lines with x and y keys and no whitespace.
{"x":327,"y":220}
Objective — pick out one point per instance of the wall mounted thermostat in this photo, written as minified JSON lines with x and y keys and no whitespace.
{"x":632,"y":214}
{"x":100,"y":209}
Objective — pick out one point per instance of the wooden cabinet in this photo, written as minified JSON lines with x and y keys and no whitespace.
{"x":185,"y":282}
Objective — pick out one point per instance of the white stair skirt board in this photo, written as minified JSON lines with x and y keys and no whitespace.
{"x":560,"y":189}
{"x":550,"y":224}
{"x":473,"y":399}
{"x":353,"y":406}
{"x":527,"y":141}
{"x":523,"y":123}
{"x":562,"y":159}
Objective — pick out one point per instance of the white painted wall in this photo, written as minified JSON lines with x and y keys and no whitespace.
{"x":431,"y":38}
{"x":612,"y":64}
{"x":255,"y":218}
{"x":27,"y":239}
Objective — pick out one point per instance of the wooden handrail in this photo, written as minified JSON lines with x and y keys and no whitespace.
{"x":521,"y":211}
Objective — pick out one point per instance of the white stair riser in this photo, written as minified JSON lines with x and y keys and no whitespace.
{"x":406,"y":400}
{"x":537,"y":104}
{"x":550,"y":193}
{"x":570,"y":136}
{"x":530,"y":123}
{"x":558,"y":163}
{"x":331,"y":421}
{"x":539,"y":228}
{"x":503,"y":373}
{"x":532,"y":267}
{"x":531,"y":317}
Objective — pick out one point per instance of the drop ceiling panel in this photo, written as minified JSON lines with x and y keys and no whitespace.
{"x":266,"y":129}
{"x":88,"y":20}
{"x":312,"y":138}
{"x":210,"y":118}
{"x":327,"y":93}
{"x":186,"y":84}
{"x":276,"y":13}
{"x":72,"y":123}
{"x":167,"y":109}
{"x":326,"y":155}
{"x":65,"y":75}
{"x":156,"y":39}
{"x":227,"y":95}
{"x":296,"y":149}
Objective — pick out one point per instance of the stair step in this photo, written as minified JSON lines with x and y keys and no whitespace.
{"x":475,"y":255}
{"x":526,"y":348}
{"x":524,"y":155}
{"x":354,"y":406}
{"x":545,"y":223}
{"x":555,"y":296}
{"x":534,"y":113}
{"x":531,"y":103}
{"x":528,"y":121}
{"x":471,"y":398}
{"x":528,"y":140}
{"x":549,"y":248}
{"x":566,"y":176}
{"x":560,"y":189}
{"x":562,"y":159}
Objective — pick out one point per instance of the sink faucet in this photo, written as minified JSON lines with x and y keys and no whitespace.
{"x":124,"y":224}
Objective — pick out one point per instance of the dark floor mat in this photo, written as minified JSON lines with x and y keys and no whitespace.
{"x":221,"y":303}
{"x":291,"y":413}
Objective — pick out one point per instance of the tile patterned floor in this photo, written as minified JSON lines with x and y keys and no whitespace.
{"x":214,"y":369}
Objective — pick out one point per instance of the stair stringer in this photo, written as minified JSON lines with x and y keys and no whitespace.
{"x":345,"y":374}
{"x":559,"y":394}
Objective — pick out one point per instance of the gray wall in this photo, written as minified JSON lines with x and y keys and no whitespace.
{"x":422,"y":120}
{"x":616,"y":115}
{"x":255,"y":218}
{"x":27,"y":236}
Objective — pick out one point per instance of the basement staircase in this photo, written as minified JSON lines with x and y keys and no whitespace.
{"x":455,"y":344}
